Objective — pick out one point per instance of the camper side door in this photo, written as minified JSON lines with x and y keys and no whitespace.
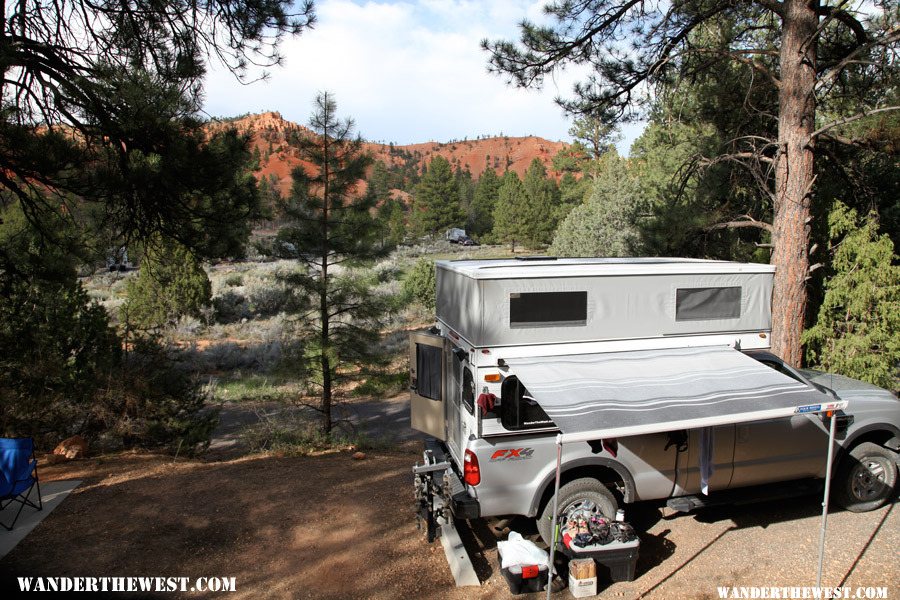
{"x":427,"y":383}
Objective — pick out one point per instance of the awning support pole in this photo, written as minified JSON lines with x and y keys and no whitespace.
{"x":555,"y":530}
{"x":828,"y":462}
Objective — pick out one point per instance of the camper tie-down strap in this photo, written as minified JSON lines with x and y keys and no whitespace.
{"x":617,"y":394}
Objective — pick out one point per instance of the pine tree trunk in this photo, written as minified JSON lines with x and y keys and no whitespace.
{"x":794,"y":177}
{"x":323,"y":294}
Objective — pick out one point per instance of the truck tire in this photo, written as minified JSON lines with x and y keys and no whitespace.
{"x":866,"y":478}
{"x":585,"y":493}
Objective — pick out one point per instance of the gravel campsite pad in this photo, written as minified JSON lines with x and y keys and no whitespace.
{"x":330,"y":526}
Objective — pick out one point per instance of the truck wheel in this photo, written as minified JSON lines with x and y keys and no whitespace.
{"x":586,"y":494}
{"x":866,"y":478}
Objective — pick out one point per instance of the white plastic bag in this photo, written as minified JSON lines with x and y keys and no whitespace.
{"x":518,"y":551}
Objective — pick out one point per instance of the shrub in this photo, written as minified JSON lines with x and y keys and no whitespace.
{"x":171,"y":283}
{"x":155,"y":401}
{"x":230,"y":307}
{"x":234,"y":280}
{"x":856,"y":330}
{"x":56,"y":350}
{"x":420,"y":283}
{"x":64,"y":372}
{"x":267,"y":298}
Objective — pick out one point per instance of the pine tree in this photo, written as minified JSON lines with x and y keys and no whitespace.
{"x":822,"y":68}
{"x":540,"y":202}
{"x":337,"y":312}
{"x":605,"y":224}
{"x":466,"y":193}
{"x":436,"y":199}
{"x":483,"y":202}
{"x":509,"y":220}
{"x":856,"y":333}
{"x":102,"y":108}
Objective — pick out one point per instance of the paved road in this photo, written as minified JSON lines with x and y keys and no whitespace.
{"x":380,"y":420}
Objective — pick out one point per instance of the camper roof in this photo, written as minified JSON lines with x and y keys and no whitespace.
{"x":542,"y":267}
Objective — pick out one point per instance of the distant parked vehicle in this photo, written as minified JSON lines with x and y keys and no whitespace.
{"x":455,"y":235}
{"x":458,"y":236}
{"x":117,"y":260}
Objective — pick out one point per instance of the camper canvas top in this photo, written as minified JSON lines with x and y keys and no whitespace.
{"x":512,"y":302}
{"x":540,"y":266}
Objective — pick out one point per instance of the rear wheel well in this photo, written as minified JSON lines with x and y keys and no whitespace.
{"x":605,"y":475}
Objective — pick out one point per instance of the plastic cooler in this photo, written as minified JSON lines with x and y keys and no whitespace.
{"x":616,"y":561}
{"x":524,"y":579}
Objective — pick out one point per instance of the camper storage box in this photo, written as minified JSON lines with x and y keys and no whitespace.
{"x":542,"y":301}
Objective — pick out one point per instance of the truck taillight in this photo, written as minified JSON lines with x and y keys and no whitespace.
{"x":471,"y":471}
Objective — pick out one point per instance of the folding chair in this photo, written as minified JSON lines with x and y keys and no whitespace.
{"x":18,"y":475}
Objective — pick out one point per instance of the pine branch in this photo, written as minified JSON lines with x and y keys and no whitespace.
{"x":851,"y":119}
{"x":744,"y":221}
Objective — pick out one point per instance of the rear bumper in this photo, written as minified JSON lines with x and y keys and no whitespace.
{"x":462,"y":504}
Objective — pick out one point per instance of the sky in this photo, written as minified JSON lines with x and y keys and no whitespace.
{"x":406,"y":72}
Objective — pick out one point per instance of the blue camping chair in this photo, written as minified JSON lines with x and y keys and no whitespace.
{"x":18,"y":475}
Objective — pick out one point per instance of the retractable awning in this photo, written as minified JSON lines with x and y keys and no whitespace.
{"x":619,"y":394}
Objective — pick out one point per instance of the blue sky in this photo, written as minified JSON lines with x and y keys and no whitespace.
{"x":406,"y":72}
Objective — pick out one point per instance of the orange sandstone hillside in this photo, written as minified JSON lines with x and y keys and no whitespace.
{"x":272,"y":134}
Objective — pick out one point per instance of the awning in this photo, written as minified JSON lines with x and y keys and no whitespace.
{"x":618,"y":394}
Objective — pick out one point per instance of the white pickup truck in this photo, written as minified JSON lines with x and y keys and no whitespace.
{"x":695,"y":329}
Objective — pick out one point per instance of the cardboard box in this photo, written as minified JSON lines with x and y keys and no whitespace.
{"x":582,"y":588}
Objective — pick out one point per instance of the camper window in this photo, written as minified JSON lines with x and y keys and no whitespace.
{"x":518,"y":410}
{"x":428,"y":371}
{"x":702,"y":304}
{"x":468,"y":390}
{"x":540,"y":309}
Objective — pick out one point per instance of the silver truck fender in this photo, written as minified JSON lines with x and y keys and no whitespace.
{"x":548,"y":482}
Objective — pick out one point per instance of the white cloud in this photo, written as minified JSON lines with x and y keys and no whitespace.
{"x":406,"y":72}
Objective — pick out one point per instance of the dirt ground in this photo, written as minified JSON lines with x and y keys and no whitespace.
{"x":332,"y":527}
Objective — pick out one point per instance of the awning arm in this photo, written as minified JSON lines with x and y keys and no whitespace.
{"x":555,"y":534}
{"x":827,"y":493}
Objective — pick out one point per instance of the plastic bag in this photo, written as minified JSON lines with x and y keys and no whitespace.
{"x":516,"y":550}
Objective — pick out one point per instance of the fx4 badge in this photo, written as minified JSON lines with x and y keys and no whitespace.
{"x":512,"y":454}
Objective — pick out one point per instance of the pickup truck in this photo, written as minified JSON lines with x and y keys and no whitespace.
{"x":492,"y":450}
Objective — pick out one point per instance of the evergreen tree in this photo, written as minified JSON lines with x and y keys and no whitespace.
{"x":483,"y":202}
{"x":436,"y":199}
{"x":337,"y":312}
{"x":509,"y":220}
{"x":824,"y":66}
{"x":171,"y":284}
{"x":605,"y":224}
{"x":392,"y":221}
{"x":856,"y":333}
{"x":102,"y":104}
{"x":593,"y":138}
{"x":538,"y":206}
{"x":466,"y":193}
{"x":379,"y":183}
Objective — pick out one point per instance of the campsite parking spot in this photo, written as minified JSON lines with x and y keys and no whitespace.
{"x":765,"y":544}
{"x":329,"y":526}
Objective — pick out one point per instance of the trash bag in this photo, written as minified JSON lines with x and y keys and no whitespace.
{"x":516,"y":550}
